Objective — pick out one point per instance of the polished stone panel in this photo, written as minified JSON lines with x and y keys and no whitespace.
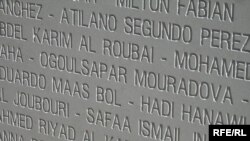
{"x":122,"y":70}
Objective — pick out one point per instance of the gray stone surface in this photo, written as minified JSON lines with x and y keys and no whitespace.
{"x":122,"y":70}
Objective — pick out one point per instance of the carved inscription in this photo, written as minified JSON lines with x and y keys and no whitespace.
{"x":122,"y":70}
